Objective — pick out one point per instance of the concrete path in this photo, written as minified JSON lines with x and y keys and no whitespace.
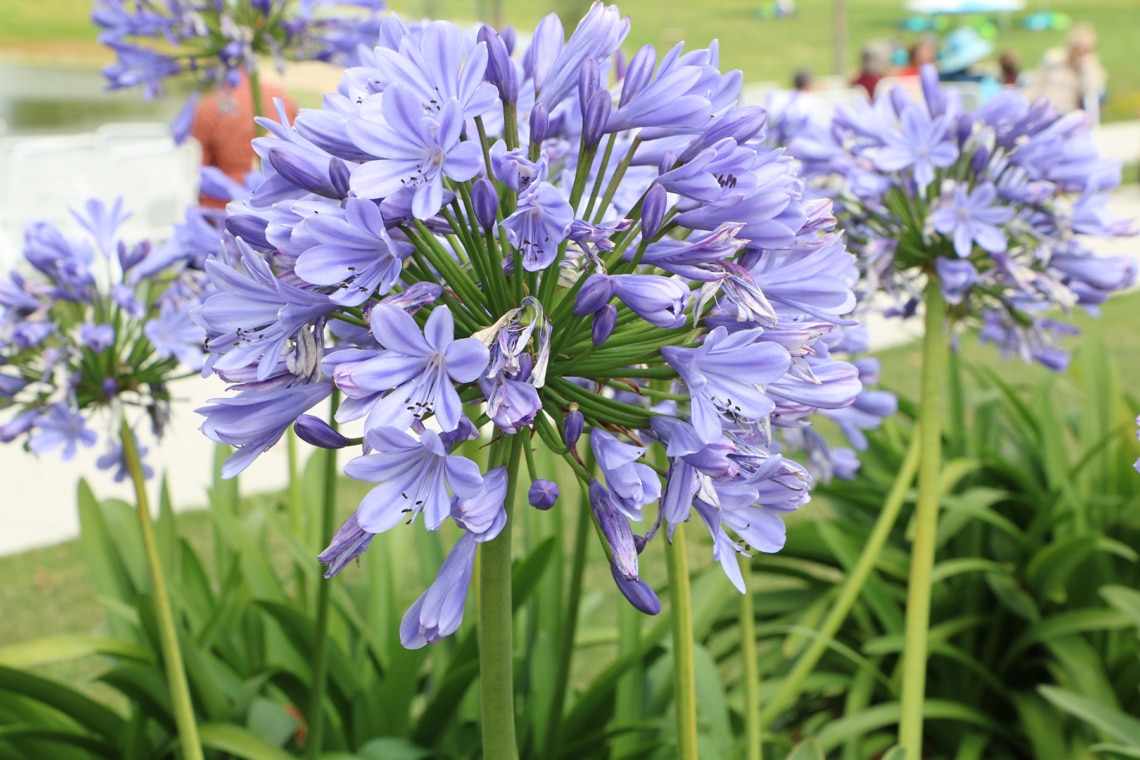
{"x":37,"y":500}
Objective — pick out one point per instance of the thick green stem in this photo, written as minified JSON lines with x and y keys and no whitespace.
{"x":752,"y":721}
{"x":851,"y":588}
{"x":566,"y":635}
{"x":496,"y":650}
{"x":934,"y":351}
{"x":180,"y":701}
{"x":684,"y":679}
{"x":319,"y":685}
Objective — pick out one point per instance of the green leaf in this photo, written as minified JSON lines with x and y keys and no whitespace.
{"x":270,"y":721}
{"x":1116,"y":749}
{"x":1126,"y":600}
{"x":27,"y":654}
{"x":894,"y":753}
{"x":951,"y":567}
{"x":1055,"y":563}
{"x":1063,"y":624}
{"x":808,"y":749}
{"x":887,"y":714}
{"x":70,"y":739}
{"x":1038,"y":720}
{"x":1012,"y":596}
{"x":392,"y":748}
{"x":85,"y":711}
{"x":1114,"y":723}
{"x":239,"y":741}
{"x":145,"y":687}
{"x":711,"y":705}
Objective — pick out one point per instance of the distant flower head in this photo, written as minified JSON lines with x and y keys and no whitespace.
{"x":993,"y":203}
{"x":217,"y":42}
{"x":93,"y":329}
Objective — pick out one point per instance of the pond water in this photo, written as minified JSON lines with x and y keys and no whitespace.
{"x":38,"y":100}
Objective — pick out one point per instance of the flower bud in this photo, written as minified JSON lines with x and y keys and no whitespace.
{"x":249,"y":228}
{"x":741,"y":124}
{"x":979,"y":160}
{"x":638,"y":73}
{"x":308,"y":169}
{"x":957,"y":276}
{"x":589,"y":80}
{"x":414,"y":297}
{"x":539,"y":123}
{"x":485,"y":200}
{"x":900,"y":101}
{"x":605,"y":319}
{"x":636,"y":591}
{"x":593,"y":294}
{"x":615,"y":530}
{"x":500,"y":69}
{"x":658,"y":300}
{"x":572,"y":428}
{"x":510,"y":38}
{"x":595,"y":118}
{"x":653,"y":210}
{"x":317,"y":432}
{"x":542,"y":494}
{"x":349,"y":543}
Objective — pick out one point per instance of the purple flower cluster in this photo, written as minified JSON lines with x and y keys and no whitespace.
{"x":94,"y":324}
{"x":538,"y":243}
{"x":996,"y":203}
{"x":217,"y":41}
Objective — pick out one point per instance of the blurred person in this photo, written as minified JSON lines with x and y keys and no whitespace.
{"x":1072,"y":78}
{"x":921,"y":53}
{"x":1010,"y":70}
{"x":961,"y":50}
{"x":223,"y":124}
{"x":873,"y":62}
{"x":803,"y":81}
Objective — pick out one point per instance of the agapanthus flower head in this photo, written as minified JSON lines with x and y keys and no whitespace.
{"x":93,"y":329}
{"x":606,"y":247}
{"x":219,"y":42}
{"x":993,"y":203}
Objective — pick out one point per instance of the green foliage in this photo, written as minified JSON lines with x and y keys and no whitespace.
{"x":1034,"y":623}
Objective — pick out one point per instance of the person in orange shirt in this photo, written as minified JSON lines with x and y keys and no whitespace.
{"x":223,"y":124}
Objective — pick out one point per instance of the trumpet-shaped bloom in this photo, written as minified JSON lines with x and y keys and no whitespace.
{"x":970,"y":216}
{"x":631,"y":483}
{"x":354,"y":253}
{"x":724,"y":377}
{"x":413,"y":152}
{"x":921,"y":144}
{"x":61,"y":427}
{"x":539,"y":226}
{"x":417,"y":370}
{"x":414,"y":476}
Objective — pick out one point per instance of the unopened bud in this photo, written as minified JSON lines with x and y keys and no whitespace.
{"x":572,"y":428}
{"x":593,"y":295}
{"x":485,"y":200}
{"x":317,"y":432}
{"x":542,"y":494}
{"x":596,"y":116}
{"x":605,"y":320}
{"x":500,"y":69}
{"x":539,"y":123}
{"x":653,"y":210}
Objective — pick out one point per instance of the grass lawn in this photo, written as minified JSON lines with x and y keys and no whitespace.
{"x":55,"y":31}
